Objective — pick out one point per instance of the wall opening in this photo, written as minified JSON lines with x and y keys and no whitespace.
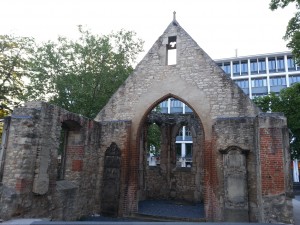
{"x":61,"y":152}
{"x":184,"y":147}
{"x":172,"y":50}
{"x":153,"y":144}
{"x":69,"y":152}
{"x":177,"y":128}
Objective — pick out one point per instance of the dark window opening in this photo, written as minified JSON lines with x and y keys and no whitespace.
{"x":172,"y":51}
{"x":61,"y":153}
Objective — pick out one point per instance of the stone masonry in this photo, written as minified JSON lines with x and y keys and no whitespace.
{"x":63,"y":166}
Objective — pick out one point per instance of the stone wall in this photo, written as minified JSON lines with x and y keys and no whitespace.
{"x":30,"y":187}
{"x":256,"y":148}
{"x":180,"y":184}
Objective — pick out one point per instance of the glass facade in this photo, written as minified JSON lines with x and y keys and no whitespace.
{"x":280,"y":64}
{"x":244,"y":67}
{"x":277,"y":81}
{"x":227,"y":68}
{"x":262,"y":66}
{"x":272,"y":65}
{"x":236,"y":68}
{"x":253,"y":66}
{"x":262,"y":74}
{"x":294,"y":79}
{"x":260,"y":82}
{"x":242,"y":83}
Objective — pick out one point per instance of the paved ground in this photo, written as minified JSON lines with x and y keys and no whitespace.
{"x":296,"y":207}
{"x":161,"y":208}
{"x":171,"y":209}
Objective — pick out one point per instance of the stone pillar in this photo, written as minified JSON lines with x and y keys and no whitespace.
{"x":274,"y":175}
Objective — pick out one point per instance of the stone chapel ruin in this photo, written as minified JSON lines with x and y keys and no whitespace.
{"x":60,"y":165}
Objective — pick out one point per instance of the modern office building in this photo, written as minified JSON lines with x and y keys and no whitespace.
{"x":259,"y":75}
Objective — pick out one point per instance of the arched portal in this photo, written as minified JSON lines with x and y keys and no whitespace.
{"x":164,"y":179}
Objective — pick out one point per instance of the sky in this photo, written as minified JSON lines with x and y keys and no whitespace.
{"x":218,"y":26}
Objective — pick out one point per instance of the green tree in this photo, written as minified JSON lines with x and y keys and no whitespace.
{"x":81,"y":75}
{"x":292,"y":34}
{"x":154,"y":139}
{"x":14,"y":62}
{"x":288,"y":102}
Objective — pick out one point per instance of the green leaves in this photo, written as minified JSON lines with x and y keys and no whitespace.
{"x":288,"y":102}
{"x":275,"y":4}
{"x":15,"y":53}
{"x":292,"y":34}
{"x":81,"y":75}
{"x":154,"y":139}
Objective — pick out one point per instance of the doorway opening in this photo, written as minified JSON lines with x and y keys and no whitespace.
{"x":171,"y":163}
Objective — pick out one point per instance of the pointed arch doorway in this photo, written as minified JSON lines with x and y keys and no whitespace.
{"x":171,"y":168}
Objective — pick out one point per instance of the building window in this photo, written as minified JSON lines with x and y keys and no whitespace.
{"x":272,"y":65}
{"x":236,"y":68}
{"x":277,"y":81}
{"x":226,"y":67}
{"x":184,"y":147}
{"x":280,"y":64}
{"x":176,"y":106}
{"x":172,"y":51}
{"x":253,"y":66}
{"x":294,"y":79}
{"x":164,"y":104}
{"x":262,"y":65}
{"x":175,"y":103}
{"x":244,"y":67}
{"x":259,"y":82}
{"x":242,"y":83}
{"x":291,"y":63}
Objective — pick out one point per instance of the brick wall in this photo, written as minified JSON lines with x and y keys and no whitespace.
{"x":119,"y":133}
{"x":274,"y":173}
{"x":271,"y":154}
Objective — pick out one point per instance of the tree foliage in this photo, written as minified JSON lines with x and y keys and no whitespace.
{"x":153,"y":139}
{"x":288,"y":102}
{"x":81,"y":75}
{"x":15,"y":54}
{"x":292,"y":34}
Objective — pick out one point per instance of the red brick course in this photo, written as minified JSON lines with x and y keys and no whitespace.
{"x":77,"y":165}
{"x":271,"y":154}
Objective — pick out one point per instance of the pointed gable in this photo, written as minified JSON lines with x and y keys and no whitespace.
{"x":194,"y":78}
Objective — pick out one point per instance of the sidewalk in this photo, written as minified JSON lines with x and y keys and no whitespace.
{"x":296,"y":208}
{"x":171,"y":211}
